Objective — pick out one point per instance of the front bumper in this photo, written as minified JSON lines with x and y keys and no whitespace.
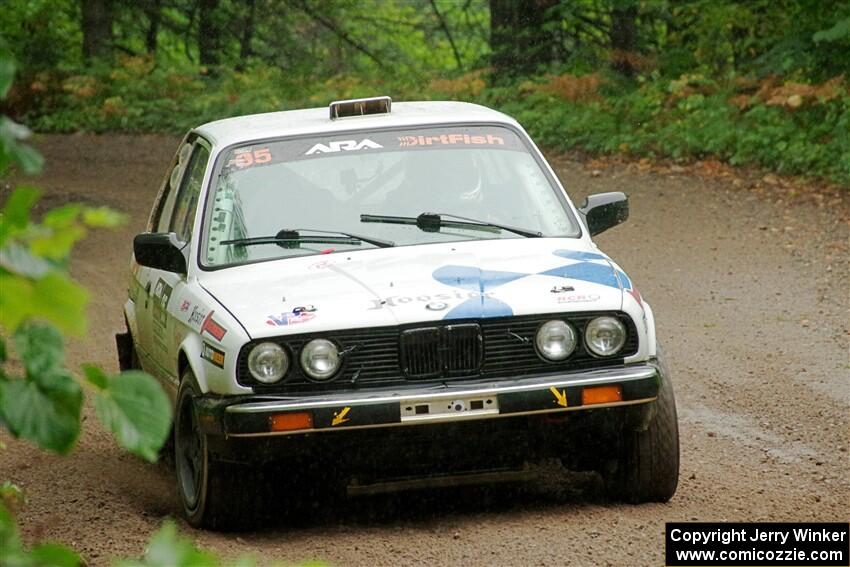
{"x":253,"y":416}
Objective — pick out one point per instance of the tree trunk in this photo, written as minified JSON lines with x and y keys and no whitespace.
{"x":209,"y":33}
{"x":152,"y":11}
{"x":97,"y":28}
{"x":624,"y":37}
{"x":519,"y":40}
{"x":245,"y":50}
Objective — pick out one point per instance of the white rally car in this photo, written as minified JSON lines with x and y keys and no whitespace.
{"x":390,"y":292}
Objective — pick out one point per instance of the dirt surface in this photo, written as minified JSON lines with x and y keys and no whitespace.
{"x":748,"y":280}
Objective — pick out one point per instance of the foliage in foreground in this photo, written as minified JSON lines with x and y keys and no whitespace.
{"x":40,"y":399}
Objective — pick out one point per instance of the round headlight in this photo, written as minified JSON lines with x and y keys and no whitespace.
{"x":320,"y":359}
{"x":555,"y":340}
{"x":268,"y":362}
{"x":605,"y":336}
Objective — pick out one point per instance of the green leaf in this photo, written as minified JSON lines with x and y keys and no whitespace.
{"x":57,"y":244}
{"x":10,"y":543}
{"x":40,"y":347}
{"x":168,"y":549}
{"x":66,"y":215}
{"x":11,"y":135}
{"x":839,"y":31}
{"x":137,"y":411}
{"x":53,"y":555}
{"x":7,"y":72}
{"x":18,"y":259}
{"x":96,"y":376}
{"x":54,"y":298}
{"x":50,"y":418}
{"x":103,"y":217}
{"x":16,"y":211}
{"x":3,"y":355}
{"x":11,"y":492}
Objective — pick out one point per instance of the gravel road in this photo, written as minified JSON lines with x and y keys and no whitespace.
{"x":748,"y":277}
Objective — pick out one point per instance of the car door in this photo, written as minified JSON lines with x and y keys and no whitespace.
{"x":177,"y":215}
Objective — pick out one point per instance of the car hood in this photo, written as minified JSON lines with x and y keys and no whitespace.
{"x":392,"y":286}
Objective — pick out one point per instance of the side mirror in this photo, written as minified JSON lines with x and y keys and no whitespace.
{"x":161,"y":251}
{"x":604,"y":210}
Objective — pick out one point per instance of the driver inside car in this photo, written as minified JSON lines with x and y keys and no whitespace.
{"x":438,"y":181}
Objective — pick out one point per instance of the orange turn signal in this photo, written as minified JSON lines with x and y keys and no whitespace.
{"x":601,"y":395}
{"x":291,"y":421}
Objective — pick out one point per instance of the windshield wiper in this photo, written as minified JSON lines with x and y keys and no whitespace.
{"x":293,"y":237}
{"x":432,"y":222}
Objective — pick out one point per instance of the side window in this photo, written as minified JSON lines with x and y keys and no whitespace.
{"x":162,"y":211}
{"x":187,"y":198}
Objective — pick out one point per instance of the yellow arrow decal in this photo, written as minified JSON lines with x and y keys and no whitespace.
{"x":339,"y":417}
{"x":560,"y":396}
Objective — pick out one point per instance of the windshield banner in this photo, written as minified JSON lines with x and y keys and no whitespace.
{"x":444,"y":137}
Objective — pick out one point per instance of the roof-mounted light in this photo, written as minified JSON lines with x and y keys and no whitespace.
{"x":360,"y":107}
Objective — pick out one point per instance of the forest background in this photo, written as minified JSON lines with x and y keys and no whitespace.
{"x":761,"y":82}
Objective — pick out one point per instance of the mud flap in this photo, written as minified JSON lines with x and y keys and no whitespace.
{"x":124,"y":344}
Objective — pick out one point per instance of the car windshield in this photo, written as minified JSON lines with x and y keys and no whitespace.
{"x":485,"y":173}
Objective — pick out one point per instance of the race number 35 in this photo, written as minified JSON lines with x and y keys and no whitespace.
{"x":247,"y":159}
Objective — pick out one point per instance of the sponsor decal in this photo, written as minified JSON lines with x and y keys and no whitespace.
{"x":343,"y":146}
{"x":196,"y":317}
{"x":184,"y":305}
{"x":321,"y":265}
{"x":578,"y":298}
{"x":451,"y":140}
{"x":159,"y":312}
{"x":298,"y":315}
{"x":211,"y":327}
{"x":212,"y":355}
{"x":441,"y":299}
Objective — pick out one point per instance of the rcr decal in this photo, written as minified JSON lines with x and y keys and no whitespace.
{"x":343,"y":145}
{"x":578,"y":298}
{"x":184,"y":305}
{"x":212,"y":355}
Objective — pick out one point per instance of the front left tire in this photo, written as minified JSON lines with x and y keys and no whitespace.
{"x":214,"y":494}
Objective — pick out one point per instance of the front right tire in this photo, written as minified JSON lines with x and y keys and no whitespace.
{"x":647,"y":466}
